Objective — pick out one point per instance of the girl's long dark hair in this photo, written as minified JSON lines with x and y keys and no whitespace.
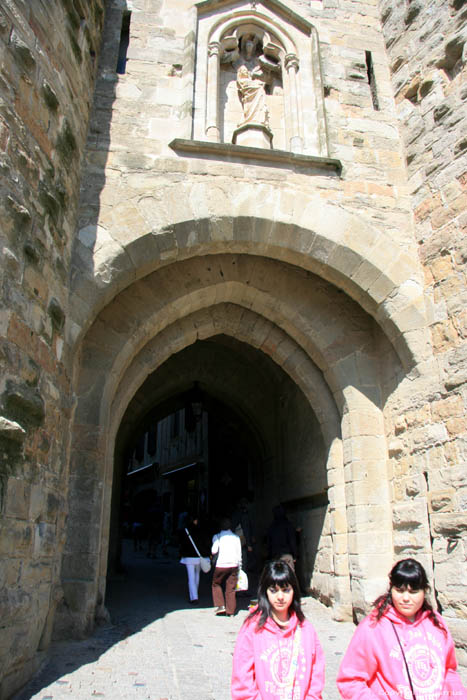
{"x":276,"y":573}
{"x":407,"y":572}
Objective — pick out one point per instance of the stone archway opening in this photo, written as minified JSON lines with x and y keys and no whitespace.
{"x":216,"y":423}
{"x":338,"y":365}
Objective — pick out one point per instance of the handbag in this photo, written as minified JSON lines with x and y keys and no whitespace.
{"x":205,"y":562}
{"x":242,"y":581}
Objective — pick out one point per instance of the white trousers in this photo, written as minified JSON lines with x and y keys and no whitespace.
{"x":193,"y":567}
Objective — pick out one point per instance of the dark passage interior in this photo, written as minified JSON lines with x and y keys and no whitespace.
{"x":217,"y":427}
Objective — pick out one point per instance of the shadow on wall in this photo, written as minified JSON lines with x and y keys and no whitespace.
{"x":113,"y":51}
{"x":307,"y":515}
{"x":112,"y":63}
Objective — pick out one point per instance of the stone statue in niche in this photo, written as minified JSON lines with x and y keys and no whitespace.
{"x":255,"y":75}
{"x":255,"y":60}
{"x":252,"y":96}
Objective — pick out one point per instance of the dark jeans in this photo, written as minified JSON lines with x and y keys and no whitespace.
{"x":229,"y":578}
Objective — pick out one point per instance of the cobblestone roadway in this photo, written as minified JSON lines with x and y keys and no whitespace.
{"x":161,"y":647}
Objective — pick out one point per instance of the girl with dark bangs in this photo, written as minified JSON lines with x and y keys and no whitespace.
{"x":409,"y":574}
{"x":277,"y":654}
{"x":403,"y":649}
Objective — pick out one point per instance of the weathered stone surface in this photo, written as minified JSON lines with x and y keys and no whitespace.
{"x":45,"y":97}
{"x":24,"y":403}
{"x":11,"y":430}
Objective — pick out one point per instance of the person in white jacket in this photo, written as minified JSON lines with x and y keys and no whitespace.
{"x":228,"y":548}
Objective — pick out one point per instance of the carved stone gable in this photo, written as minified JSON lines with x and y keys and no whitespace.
{"x":258,"y":80}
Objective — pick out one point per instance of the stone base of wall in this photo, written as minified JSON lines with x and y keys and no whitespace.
{"x":15,"y":680}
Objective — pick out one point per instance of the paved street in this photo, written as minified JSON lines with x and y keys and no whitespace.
{"x":161,"y":647}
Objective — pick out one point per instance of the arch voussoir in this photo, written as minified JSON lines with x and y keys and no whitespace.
{"x":312,"y":234}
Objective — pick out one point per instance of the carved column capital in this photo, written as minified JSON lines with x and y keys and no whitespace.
{"x":291,"y":61}
{"x":214,"y":49}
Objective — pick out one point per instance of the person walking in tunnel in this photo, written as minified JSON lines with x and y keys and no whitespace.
{"x":403,"y":649}
{"x":188,"y":555}
{"x":282,"y":538}
{"x":226,"y":546}
{"x":277,"y":653}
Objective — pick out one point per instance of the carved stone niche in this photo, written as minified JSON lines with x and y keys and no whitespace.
{"x":258,"y":78}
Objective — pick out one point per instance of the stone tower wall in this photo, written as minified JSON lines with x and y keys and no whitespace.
{"x":48,"y":54}
{"x":426,"y":44}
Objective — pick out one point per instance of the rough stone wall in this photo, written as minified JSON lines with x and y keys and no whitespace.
{"x":426,"y":43}
{"x":47,"y":64}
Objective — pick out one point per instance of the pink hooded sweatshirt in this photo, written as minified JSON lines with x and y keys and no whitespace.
{"x":266,"y":666}
{"x":373,"y":666}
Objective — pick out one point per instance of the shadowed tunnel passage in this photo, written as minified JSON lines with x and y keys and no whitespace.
{"x":254,"y":437}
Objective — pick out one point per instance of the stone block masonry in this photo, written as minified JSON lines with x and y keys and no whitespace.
{"x":48,"y":61}
{"x":426,"y":44}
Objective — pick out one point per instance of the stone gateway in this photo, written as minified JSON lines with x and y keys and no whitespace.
{"x":203,"y":304}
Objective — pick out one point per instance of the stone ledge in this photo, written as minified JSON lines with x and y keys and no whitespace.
{"x":231,"y":152}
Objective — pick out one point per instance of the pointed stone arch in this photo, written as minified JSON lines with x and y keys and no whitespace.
{"x":327,"y":352}
{"x":137,"y":237}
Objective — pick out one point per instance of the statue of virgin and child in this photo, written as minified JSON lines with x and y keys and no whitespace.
{"x":252,"y":77}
